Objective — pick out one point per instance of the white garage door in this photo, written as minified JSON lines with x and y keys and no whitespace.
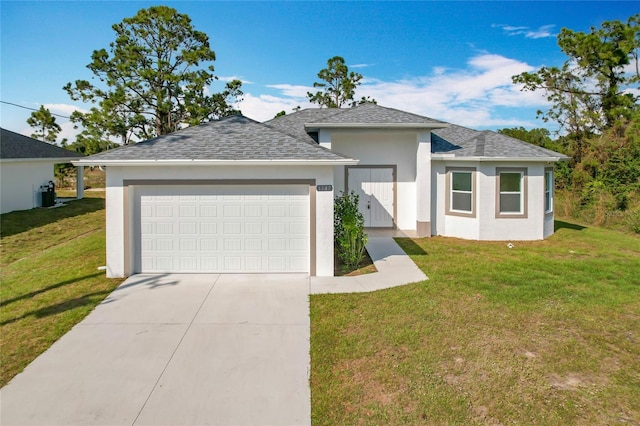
{"x":234,"y":228}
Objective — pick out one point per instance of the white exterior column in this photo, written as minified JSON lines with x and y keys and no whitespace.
{"x":324,"y":231}
{"x":423,"y":184}
{"x":324,"y":201}
{"x":115,"y":234}
{"x":79,"y":182}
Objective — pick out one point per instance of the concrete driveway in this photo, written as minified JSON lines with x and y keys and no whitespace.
{"x":176,"y":350}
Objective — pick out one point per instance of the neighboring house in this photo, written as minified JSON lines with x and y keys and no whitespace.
{"x":25,"y":165}
{"x":236,"y":195}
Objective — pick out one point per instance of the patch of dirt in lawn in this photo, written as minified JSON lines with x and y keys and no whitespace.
{"x":366,"y":266}
{"x":361,"y":376}
{"x":573,"y":381}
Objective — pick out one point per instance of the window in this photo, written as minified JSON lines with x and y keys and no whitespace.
{"x":511,"y":194}
{"x":461,"y":191}
{"x":548,"y":191}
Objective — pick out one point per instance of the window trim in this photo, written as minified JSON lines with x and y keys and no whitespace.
{"x":523,"y":213}
{"x":551,"y":189}
{"x":449,"y":188}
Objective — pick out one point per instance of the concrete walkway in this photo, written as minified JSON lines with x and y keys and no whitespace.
{"x":394,"y":267}
{"x":191,"y":350}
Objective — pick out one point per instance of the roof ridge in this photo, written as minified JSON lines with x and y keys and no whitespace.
{"x":396,"y":110}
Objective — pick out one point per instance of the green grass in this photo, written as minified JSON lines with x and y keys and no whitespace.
{"x":49,"y":276}
{"x":546,"y":333}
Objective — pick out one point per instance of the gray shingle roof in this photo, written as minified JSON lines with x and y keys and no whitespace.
{"x":463,"y":142}
{"x":370,"y":114}
{"x":293,"y":124}
{"x":286,"y":138}
{"x":231,"y":138}
{"x":16,"y":146}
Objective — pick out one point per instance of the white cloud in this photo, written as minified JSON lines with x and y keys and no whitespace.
{"x":360,"y":65}
{"x":63,"y":109}
{"x":511,"y":28}
{"x":227,"y":79}
{"x":68,"y":132}
{"x":469,"y":96}
{"x":292,"y":90}
{"x":541,"y":32}
{"x":265,"y":107}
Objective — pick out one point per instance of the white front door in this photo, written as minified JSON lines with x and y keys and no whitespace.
{"x":374,"y":187}
{"x":235,"y":228}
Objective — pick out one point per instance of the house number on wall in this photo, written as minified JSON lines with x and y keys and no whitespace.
{"x":324,"y":187}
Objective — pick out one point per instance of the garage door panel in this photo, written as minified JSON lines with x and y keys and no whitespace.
{"x":253,"y":211}
{"x":187,"y":211}
{"x":298,"y":228}
{"x":253,"y":228}
{"x":188,"y":244}
{"x":297,"y":262}
{"x":232,"y":244}
{"x":164,"y":263}
{"x":208,"y":263}
{"x":232,"y":228}
{"x":298,"y":244}
{"x":223,"y":228}
{"x":186,"y":228}
{"x":208,"y":244}
{"x":208,"y":228}
{"x":188,"y":263}
{"x":207,"y":210}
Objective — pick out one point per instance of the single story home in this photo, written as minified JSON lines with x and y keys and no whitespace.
{"x":26,"y":164}
{"x":236,"y":195}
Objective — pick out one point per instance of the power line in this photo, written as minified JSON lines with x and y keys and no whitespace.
{"x":32,"y":109}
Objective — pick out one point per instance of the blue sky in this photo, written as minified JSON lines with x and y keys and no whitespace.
{"x":447,"y":60}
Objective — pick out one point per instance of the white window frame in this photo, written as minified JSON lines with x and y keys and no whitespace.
{"x":449,"y":191}
{"x":548,"y":190}
{"x":523,"y":192}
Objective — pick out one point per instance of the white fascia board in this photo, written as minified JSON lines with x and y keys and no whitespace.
{"x":346,"y":161}
{"x":447,"y":157}
{"x":413,"y":126}
{"x":40,"y":160}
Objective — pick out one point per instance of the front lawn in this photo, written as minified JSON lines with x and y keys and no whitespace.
{"x":50,"y":279}
{"x":547,"y":332}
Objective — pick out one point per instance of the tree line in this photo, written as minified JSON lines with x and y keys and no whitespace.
{"x":594,"y":99}
{"x":153,"y":79}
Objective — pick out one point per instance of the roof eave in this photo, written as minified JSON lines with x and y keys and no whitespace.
{"x":128,"y":163}
{"x":412,"y":126}
{"x":41,"y":159}
{"x":450,"y":157}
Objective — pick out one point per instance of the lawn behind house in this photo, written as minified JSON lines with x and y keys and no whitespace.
{"x":50,"y":279}
{"x":546,"y":333}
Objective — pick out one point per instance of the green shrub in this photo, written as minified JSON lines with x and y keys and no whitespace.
{"x":349,"y":236}
{"x":633,"y":221}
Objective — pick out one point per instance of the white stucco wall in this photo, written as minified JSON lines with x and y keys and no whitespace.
{"x":115,"y":203}
{"x":447,"y":225}
{"x":549,"y":225}
{"x":423,"y":184}
{"x":20,"y":183}
{"x":486,"y":226}
{"x":381,"y":147}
